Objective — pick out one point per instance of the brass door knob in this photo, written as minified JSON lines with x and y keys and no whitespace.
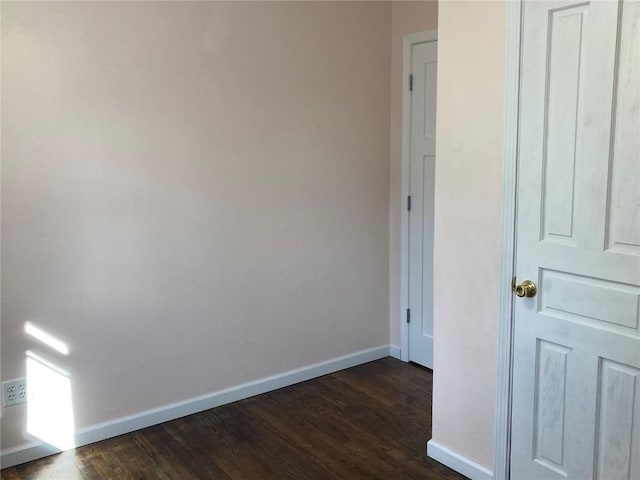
{"x":526,"y":289}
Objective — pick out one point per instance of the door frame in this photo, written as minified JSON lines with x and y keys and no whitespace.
{"x":504,"y":390}
{"x":408,"y":41}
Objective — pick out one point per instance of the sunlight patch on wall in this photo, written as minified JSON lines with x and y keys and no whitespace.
{"x":49,"y":406}
{"x":46,"y":338}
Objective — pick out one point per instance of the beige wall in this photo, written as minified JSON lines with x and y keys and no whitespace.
{"x":406,"y":17}
{"x":194,"y":195}
{"x":471,"y":53}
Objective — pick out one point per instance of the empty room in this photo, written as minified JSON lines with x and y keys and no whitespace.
{"x":320,"y":239}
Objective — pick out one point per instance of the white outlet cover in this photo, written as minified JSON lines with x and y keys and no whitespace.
{"x":14,"y":391}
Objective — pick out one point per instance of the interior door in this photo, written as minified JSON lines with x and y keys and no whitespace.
{"x":421,"y":190}
{"x":576,"y":370}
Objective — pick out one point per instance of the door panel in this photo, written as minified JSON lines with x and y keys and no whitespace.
{"x":619,"y":388}
{"x":566,"y":46}
{"x":576,"y":391}
{"x":623,"y":223}
{"x":421,"y":189}
{"x":549,"y":417}
{"x":590,"y":301}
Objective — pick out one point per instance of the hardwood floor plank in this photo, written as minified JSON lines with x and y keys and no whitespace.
{"x":329,"y":443}
{"x":368,"y":422}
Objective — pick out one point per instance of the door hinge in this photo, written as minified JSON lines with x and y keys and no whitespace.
{"x":409,"y":202}
{"x":411,"y":82}
{"x":408,"y":315}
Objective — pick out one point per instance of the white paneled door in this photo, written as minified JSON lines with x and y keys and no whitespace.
{"x":576,"y":371}
{"x":422,"y":150}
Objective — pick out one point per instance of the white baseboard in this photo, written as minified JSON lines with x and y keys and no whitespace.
{"x":394,"y":351}
{"x":457,"y":462}
{"x":33,"y":451}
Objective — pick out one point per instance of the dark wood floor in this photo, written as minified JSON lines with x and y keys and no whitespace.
{"x":368,"y":422}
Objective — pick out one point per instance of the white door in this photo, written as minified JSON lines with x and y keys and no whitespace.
{"x":422,"y":151}
{"x":576,"y":370}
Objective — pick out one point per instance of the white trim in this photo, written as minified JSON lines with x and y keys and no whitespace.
{"x":34,"y":450}
{"x":407,"y":42}
{"x":457,"y":462}
{"x":505,"y":330}
{"x":395,"y":352}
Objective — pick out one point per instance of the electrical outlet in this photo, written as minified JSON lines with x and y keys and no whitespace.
{"x":14,"y":391}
